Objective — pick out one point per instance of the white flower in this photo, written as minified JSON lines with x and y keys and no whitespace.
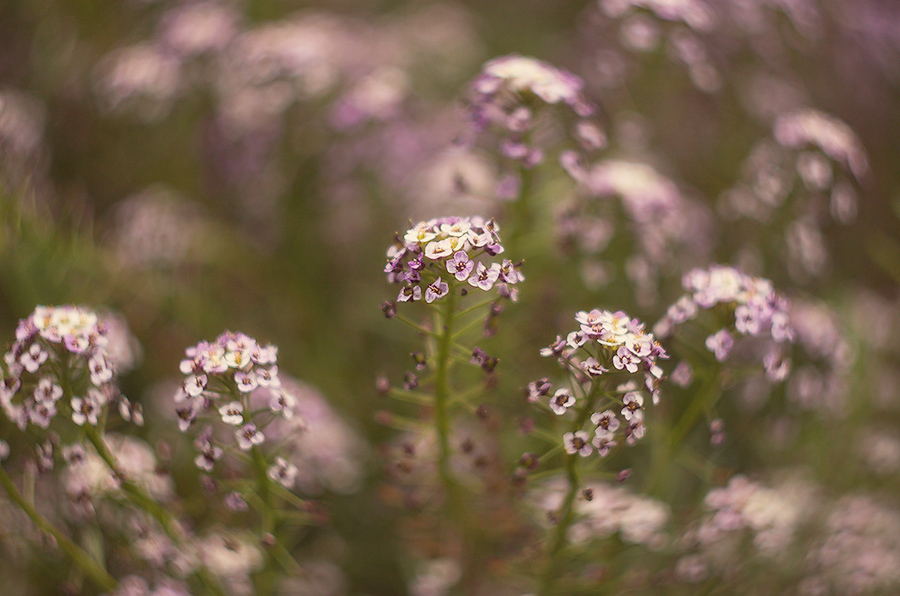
{"x":247,"y":436}
{"x":561,"y":401}
{"x":577,"y":442}
{"x":232,"y":413}
{"x":283,"y":472}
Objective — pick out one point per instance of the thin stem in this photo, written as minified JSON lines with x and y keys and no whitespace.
{"x":558,"y":541}
{"x":265,"y":579}
{"x":442,"y":388}
{"x":562,"y":526}
{"x":415,"y":326}
{"x":79,"y":556}
{"x":135,"y":493}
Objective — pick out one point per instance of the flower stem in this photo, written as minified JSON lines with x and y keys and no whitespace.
{"x":79,"y":556}
{"x":566,"y":511}
{"x":442,"y":389}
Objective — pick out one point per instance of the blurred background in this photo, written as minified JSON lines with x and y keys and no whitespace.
{"x":196,"y":166}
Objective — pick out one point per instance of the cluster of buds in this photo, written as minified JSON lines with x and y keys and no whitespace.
{"x":441,"y":253}
{"x":510,"y":95}
{"x":607,"y":345}
{"x":220,"y":377}
{"x":752,"y":306}
{"x":60,"y":362}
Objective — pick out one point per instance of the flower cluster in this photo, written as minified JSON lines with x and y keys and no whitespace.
{"x":606,"y":344}
{"x":60,"y":352}
{"x":509,"y":97}
{"x":220,"y":376}
{"x":606,"y":510}
{"x":441,"y":253}
{"x":757,"y":311}
{"x":623,"y":34}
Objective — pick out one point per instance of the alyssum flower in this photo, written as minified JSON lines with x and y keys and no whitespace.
{"x":220,"y":377}
{"x":59,"y":363}
{"x":610,"y":346}
{"x":435,"y":256}
{"x":757,"y":311}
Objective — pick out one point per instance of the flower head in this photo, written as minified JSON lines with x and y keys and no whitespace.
{"x":56,"y":347}
{"x":433,"y":256}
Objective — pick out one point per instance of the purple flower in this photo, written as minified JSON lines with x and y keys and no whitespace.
{"x":282,"y":403}
{"x":561,"y":401}
{"x":577,"y":442}
{"x":435,"y":290}
{"x":248,"y":436}
{"x":246,"y":381}
{"x":606,"y":423}
{"x":86,"y":409}
{"x":283,"y":472}
{"x":720,"y":344}
{"x":485,"y":277}
{"x":409,"y":293}
{"x":460,"y":266}
{"x":633,"y":409}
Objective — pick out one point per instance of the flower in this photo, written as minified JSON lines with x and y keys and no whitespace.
{"x":755,"y":308}
{"x":220,"y":380}
{"x":577,"y":442}
{"x":248,"y":436}
{"x":53,"y":342}
{"x":283,"y":472}
{"x":605,"y":343}
{"x":440,"y":253}
{"x":561,"y":401}
{"x":509,"y":100}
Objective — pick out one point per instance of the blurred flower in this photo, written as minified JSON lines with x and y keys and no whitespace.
{"x":757,"y":310}
{"x":59,"y":352}
{"x":141,"y":79}
{"x":611,"y":510}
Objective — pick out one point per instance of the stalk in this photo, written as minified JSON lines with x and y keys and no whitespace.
{"x":558,"y":541}
{"x":442,"y":389}
{"x":79,"y":556}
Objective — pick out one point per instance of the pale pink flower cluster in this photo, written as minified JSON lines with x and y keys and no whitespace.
{"x":757,"y":309}
{"x":510,"y":97}
{"x":610,"y":510}
{"x":606,"y":344}
{"x":443,"y":253}
{"x":59,"y":362}
{"x":219,"y":378}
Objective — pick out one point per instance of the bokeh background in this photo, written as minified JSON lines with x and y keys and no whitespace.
{"x":197,"y":166}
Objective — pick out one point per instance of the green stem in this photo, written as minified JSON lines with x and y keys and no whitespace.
{"x":562,"y":527}
{"x":442,"y":389}
{"x":266,"y":580}
{"x":139,"y":497}
{"x":667,"y":450}
{"x":133,"y":492}
{"x":79,"y":556}
{"x":702,"y":401}
{"x":567,"y":509}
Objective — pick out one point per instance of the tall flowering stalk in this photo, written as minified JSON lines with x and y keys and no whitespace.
{"x":445,"y":262}
{"x":514,"y":103}
{"x":611,"y":369}
{"x":742,"y":317}
{"x":223,"y":385}
{"x":58,"y":383}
